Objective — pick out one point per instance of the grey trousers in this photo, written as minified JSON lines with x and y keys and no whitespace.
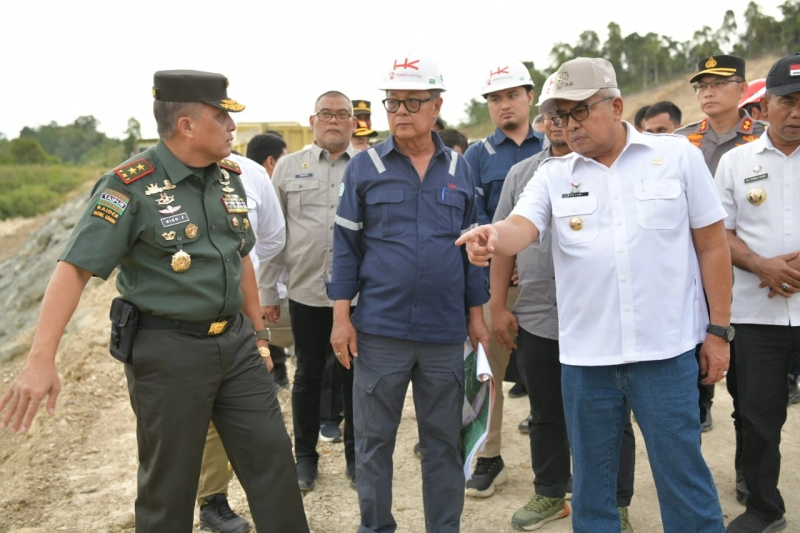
{"x":178,"y":383}
{"x":382,"y":371}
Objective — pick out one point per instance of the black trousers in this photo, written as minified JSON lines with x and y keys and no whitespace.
{"x":311,"y":327}
{"x":537,"y":358}
{"x":763,"y":359}
{"x":331,"y":409}
{"x":178,"y":383}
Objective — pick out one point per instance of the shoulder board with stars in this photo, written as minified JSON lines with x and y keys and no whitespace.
{"x":131,"y":172}
{"x":230,"y":165}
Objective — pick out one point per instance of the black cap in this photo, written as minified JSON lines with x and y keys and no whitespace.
{"x":361,"y":107}
{"x":194,"y":86}
{"x":784,"y":76}
{"x":721,"y":65}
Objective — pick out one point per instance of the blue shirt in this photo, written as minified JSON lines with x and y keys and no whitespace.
{"x":393,"y":242}
{"x":490,"y":161}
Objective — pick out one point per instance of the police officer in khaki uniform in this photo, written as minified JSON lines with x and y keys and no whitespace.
{"x":175,"y":222}
{"x":719,"y":84}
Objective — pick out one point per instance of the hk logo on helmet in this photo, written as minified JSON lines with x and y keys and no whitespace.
{"x":499,"y":71}
{"x":406,"y":64}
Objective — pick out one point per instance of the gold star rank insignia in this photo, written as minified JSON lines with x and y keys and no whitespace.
{"x":134,"y":171}
{"x":230,"y":165}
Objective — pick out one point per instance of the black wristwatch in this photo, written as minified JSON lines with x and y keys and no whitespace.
{"x":727,"y":333}
{"x":264,"y":335}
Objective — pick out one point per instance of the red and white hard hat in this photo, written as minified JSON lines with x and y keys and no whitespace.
{"x":755,"y":90}
{"x":412,"y":72}
{"x":505,"y":75}
{"x":546,"y":99}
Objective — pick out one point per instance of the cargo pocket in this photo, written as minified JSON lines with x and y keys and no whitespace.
{"x":660,"y":204}
{"x":365,"y":380}
{"x":302,"y":192}
{"x":390,"y":204}
{"x":576,"y":219}
{"x":453,"y":202}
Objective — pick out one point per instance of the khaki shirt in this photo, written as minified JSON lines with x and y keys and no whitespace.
{"x":307,"y":183}
{"x":152,"y":207}
{"x":713,"y":145}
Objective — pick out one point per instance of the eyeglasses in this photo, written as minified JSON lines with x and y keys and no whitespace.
{"x":326,"y":116}
{"x":716,"y":84}
{"x":392,"y":105}
{"x":579,"y":113}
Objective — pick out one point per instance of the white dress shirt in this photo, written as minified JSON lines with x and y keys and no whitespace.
{"x":627,"y":278}
{"x":769,"y":229}
{"x":264,"y":211}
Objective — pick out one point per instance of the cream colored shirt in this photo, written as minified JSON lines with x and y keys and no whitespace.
{"x":307,"y":184}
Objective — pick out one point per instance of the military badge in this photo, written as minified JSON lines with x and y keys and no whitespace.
{"x":756,"y":196}
{"x":234,"y":204}
{"x":134,"y":171}
{"x":191,"y":231}
{"x":181,"y":261}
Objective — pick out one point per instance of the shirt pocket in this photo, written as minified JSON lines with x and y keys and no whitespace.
{"x":174,"y":238}
{"x":660,"y":204}
{"x":576,"y":219}
{"x":453,"y":203}
{"x":390,"y":204}
{"x":303,"y":192}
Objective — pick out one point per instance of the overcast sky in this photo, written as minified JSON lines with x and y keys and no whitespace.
{"x":65,"y":58}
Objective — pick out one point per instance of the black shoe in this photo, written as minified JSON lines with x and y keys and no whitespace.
{"x":707,"y":424}
{"x":350,"y":473}
{"x":489,"y":472}
{"x":525,"y":425}
{"x":418,"y":451}
{"x":216,"y":515}
{"x":750,"y":523}
{"x":794,"y":392}
{"x":517,"y":391}
{"x":330,"y":432}
{"x":306,"y":474}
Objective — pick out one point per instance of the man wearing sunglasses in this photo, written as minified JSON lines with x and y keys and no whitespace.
{"x":637,"y":229}
{"x":402,"y":201}
{"x":307,"y":183}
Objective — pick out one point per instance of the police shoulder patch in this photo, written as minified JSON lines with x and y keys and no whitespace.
{"x":230,"y":165}
{"x":130,"y":172}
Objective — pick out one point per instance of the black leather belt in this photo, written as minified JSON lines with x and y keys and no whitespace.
{"x":208,"y":327}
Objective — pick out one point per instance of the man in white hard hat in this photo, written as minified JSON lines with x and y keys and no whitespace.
{"x":508,"y":90}
{"x":402,"y":204}
{"x":631,"y":257}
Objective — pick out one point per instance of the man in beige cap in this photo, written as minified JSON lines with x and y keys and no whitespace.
{"x":636,"y":231}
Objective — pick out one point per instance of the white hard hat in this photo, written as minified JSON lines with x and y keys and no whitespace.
{"x":412,"y":72}
{"x":513,"y":74}
{"x":547,"y":93}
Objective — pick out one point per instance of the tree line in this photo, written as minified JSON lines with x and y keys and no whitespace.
{"x":643,"y":61}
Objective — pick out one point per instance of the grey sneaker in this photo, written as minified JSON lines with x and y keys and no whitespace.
{"x":750,"y":523}
{"x":624,"y":522}
{"x":489,"y":472}
{"x":539,"y":511}
{"x":216,"y":515}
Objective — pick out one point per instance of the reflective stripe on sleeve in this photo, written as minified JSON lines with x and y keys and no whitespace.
{"x":479,"y":191}
{"x":453,"y":162}
{"x":349,"y":224}
{"x":489,"y":147}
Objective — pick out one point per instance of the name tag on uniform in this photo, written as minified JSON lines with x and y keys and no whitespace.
{"x":306,"y":175}
{"x":174,"y":220}
{"x":574,"y":194}
{"x":756,"y":178}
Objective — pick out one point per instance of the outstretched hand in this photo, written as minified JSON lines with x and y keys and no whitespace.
{"x":480,"y":243}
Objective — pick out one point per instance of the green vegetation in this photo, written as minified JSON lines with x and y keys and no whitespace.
{"x":43,"y":165}
{"x":646,"y":61}
{"x":27,"y":190}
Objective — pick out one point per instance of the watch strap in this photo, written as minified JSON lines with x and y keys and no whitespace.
{"x":264,"y":335}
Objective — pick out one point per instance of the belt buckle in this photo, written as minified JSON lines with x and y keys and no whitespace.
{"x":217,"y":328}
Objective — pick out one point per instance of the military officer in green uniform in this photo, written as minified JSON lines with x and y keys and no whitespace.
{"x":719,"y":84}
{"x":174,"y":220}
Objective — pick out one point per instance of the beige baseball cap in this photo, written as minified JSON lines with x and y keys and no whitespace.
{"x":578,"y":79}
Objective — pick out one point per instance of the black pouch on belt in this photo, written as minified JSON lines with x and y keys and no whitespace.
{"x":124,"y":317}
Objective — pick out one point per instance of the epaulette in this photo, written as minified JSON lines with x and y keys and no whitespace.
{"x":230,"y":165}
{"x":130,"y":172}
